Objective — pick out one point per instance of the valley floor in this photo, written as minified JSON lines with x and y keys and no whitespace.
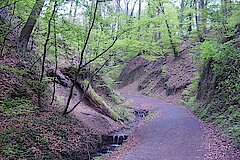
{"x":174,"y":133}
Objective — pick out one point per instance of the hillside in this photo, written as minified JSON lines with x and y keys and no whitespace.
{"x":164,"y":78}
{"x":79,"y":79}
{"x":180,"y":81}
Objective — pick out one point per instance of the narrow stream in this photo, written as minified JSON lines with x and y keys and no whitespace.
{"x":112,"y":141}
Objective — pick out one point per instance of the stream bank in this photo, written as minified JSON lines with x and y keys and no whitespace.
{"x":112,"y":141}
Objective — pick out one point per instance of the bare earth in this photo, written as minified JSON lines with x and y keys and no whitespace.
{"x":175,"y":134}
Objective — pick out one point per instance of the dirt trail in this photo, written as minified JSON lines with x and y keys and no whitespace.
{"x":176,"y":134}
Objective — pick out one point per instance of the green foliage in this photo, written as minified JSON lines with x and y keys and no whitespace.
{"x":150,"y":57}
{"x":222,"y":108}
{"x":13,"y":69}
{"x":124,"y":112}
{"x":189,"y":94}
{"x":13,"y":107}
{"x":114,"y":94}
{"x":149,"y":35}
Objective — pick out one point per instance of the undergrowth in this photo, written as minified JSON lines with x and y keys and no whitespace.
{"x":45,"y":135}
{"x":13,"y":107}
{"x":226,"y":117}
{"x":125,"y":112}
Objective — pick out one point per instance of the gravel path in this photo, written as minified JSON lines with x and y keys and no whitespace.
{"x":175,"y":134}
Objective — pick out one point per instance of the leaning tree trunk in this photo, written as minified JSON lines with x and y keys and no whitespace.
{"x":29,"y":25}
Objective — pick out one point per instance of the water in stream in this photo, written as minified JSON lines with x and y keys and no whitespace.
{"x":110,"y":142}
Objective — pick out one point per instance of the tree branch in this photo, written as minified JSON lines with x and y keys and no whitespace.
{"x":81,"y":58}
{"x":109,"y":47}
{"x":88,"y":85}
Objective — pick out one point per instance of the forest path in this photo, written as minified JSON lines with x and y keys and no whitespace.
{"x":174,"y":134}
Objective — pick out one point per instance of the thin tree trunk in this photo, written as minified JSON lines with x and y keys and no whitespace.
{"x":82,"y":66}
{"x":196,"y":14}
{"x":181,"y":16}
{"x":197,"y":18}
{"x":158,"y":34}
{"x":132,"y":12}
{"x":44,"y":55}
{"x":169,"y":33}
{"x":87,"y":87}
{"x":75,"y":10}
{"x":9,"y":30}
{"x":201,"y":16}
{"x":56,"y":61}
{"x":81,"y":59}
{"x":118,"y":6}
{"x":139,"y":16}
{"x":71,"y":8}
{"x":190,"y":20}
{"x":29,"y":25}
{"x":127,"y":6}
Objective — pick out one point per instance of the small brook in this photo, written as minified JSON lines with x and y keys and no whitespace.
{"x":110,"y":142}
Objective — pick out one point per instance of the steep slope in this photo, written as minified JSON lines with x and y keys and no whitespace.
{"x":30,"y":132}
{"x":26,"y":131}
{"x":165,"y":78}
{"x":215,"y":94}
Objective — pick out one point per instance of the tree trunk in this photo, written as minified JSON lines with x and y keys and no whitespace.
{"x":181,"y":16}
{"x":139,"y":16}
{"x":158,"y":34}
{"x":201,"y":20}
{"x":190,"y":19}
{"x":169,"y":33}
{"x":9,"y":30}
{"x":132,"y":12}
{"x":197,"y":19}
{"x":29,"y":25}
{"x":56,"y":61}
{"x":71,"y":8}
{"x":75,"y":11}
{"x":44,"y":55}
{"x":81,"y":59}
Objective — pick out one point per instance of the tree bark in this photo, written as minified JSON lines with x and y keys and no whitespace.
{"x":132,"y":11}
{"x":10,"y":29}
{"x":75,"y":10}
{"x":29,"y":25}
{"x":197,"y":18}
{"x":139,"y":16}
